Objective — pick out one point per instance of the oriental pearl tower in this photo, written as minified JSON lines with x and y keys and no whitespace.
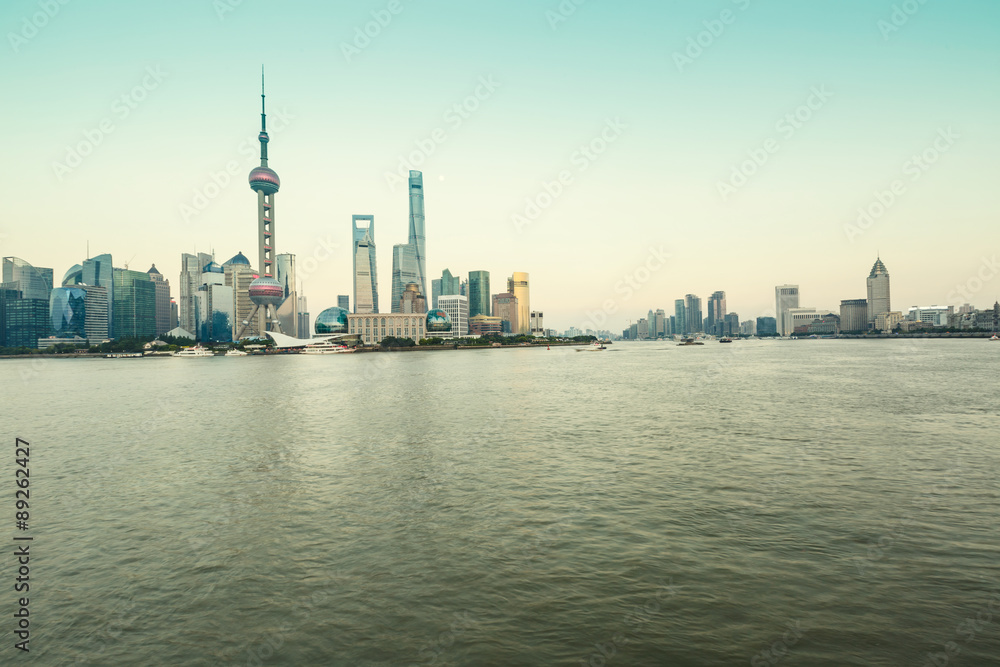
{"x":265,"y":292}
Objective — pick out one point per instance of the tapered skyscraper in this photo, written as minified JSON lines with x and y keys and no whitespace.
{"x":365,"y":269}
{"x":265,"y":292}
{"x":418,"y":238}
{"x":878,"y":291}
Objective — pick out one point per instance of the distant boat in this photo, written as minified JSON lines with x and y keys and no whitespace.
{"x":195,"y":351}
{"x":596,"y":346}
{"x":995,"y":337}
{"x":689,"y":341}
{"x":326,"y":347}
{"x":235,"y":353}
{"x":726,"y":339}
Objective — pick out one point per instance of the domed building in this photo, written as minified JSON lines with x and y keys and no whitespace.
{"x":331,"y":321}
{"x":238,"y":258}
{"x":438,"y":321}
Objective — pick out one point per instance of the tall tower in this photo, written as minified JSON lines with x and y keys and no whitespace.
{"x":878,"y":291}
{"x":418,"y":238}
{"x":785,"y":297}
{"x":517,"y":285}
{"x":365,"y":267}
{"x":265,"y":292}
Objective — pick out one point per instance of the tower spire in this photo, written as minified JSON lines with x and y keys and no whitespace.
{"x":263,"y":123}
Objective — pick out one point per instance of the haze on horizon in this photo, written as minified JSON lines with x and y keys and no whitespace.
{"x":829,"y":107}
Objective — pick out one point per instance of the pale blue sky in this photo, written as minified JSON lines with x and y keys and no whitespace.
{"x":655,"y":186}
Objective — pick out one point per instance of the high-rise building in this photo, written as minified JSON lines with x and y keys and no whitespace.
{"x":99,"y":271}
{"x":680,"y":317}
{"x":25,"y":321}
{"x":302,"y":325}
{"x":412,"y":301}
{"x":457,"y":307}
{"x":344,"y":301}
{"x":174,"y":314}
{"x":404,"y":272}
{"x":785,"y":297}
{"x":365,"y":273}
{"x":479,"y":293}
{"x":716,"y":317}
{"x":537,"y":328}
{"x":288,"y":309}
{"x":505,"y":307}
{"x":162,"y":287}
{"x":97,"y":305}
{"x":748,"y":328}
{"x":878,"y":292}
{"x":435,"y":292}
{"x":692,"y":313}
{"x":767,"y":326}
{"x":446,"y":284}
{"x":660,"y":323}
{"x":134,"y":307}
{"x":418,"y":237}
{"x":68,"y":312}
{"x":517,"y":285}
{"x":190,"y":281}
{"x":854,"y":315}
{"x":215,"y":312}
{"x":239,"y":275}
{"x":265,"y":291}
{"x":35,"y":282}
{"x":731,"y":325}
{"x":484,"y":325}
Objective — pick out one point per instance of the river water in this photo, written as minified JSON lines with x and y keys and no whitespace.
{"x":818,"y":502}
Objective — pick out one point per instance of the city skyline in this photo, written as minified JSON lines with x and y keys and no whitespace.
{"x":858,"y":124}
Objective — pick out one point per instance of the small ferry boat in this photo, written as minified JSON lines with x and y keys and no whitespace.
{"x":995,"y":337}
{"x":194,"y":351}
{"x":596,"y":346}
{"x":235,"y":353}
{"x":726,"y":339}
{"x":326,"y":347}
{"x":689,"y":341}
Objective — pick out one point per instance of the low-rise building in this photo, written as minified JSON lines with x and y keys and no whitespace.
{"x":371,"y":328}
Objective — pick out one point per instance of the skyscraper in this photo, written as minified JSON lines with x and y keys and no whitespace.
{"x":417,"y":237}
{"x":404,"y":272}
{"x":265,"y":292}
{"x":479,"y":293}
{"x":412,"y":301}
{"x":878,"y":292}
{"x":680,"y":318}
{"x":692,"y":313}
{"x":853,"y":315}
{"x":785,"y":297}
{"x":716,"y":314}
{"x":26,"y":291}
{"x":240,"y":275}
{"x":517,"y":285}
{"x":288,"y":310}
{"x":365,"y":273}
{"x":35,"y":282}
{"x":162,"y":287}
{"x":134,"y":309}
{"x":190,"y":281}
{"x":344,"y":301}
{"x":457,"y":307}
{"x":505,"y":307}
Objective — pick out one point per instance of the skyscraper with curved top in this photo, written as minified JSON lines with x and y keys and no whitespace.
{"x":517,"y":285}
{"x":878,"y":291}
{"x":365,"y":268}
{"x":418,"y":237}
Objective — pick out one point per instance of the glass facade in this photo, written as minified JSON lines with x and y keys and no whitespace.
{"x":365,"y":273}
{"x":404,"y":272}
{"x":418,"y":238}
{"x":332,"y":321}
{"x":517,"y":285}
{"x":68,"y":312}
{"x":35,"y":282}
{"x":98,"y":271}
{"x":25,"y":321}
{"x":438,"y":322}
{"x":479,"y":293}
{"x":134,"y":304}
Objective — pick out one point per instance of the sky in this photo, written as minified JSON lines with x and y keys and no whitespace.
{"x":622,"y":154}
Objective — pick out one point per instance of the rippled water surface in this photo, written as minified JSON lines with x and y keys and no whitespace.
{"x":826,"y":502}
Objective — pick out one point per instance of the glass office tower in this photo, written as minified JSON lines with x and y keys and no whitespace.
{"x":479,"y":293}
{"x":365,"y":274}
{"x":404,"y":272}
{"x":418,"y":237}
